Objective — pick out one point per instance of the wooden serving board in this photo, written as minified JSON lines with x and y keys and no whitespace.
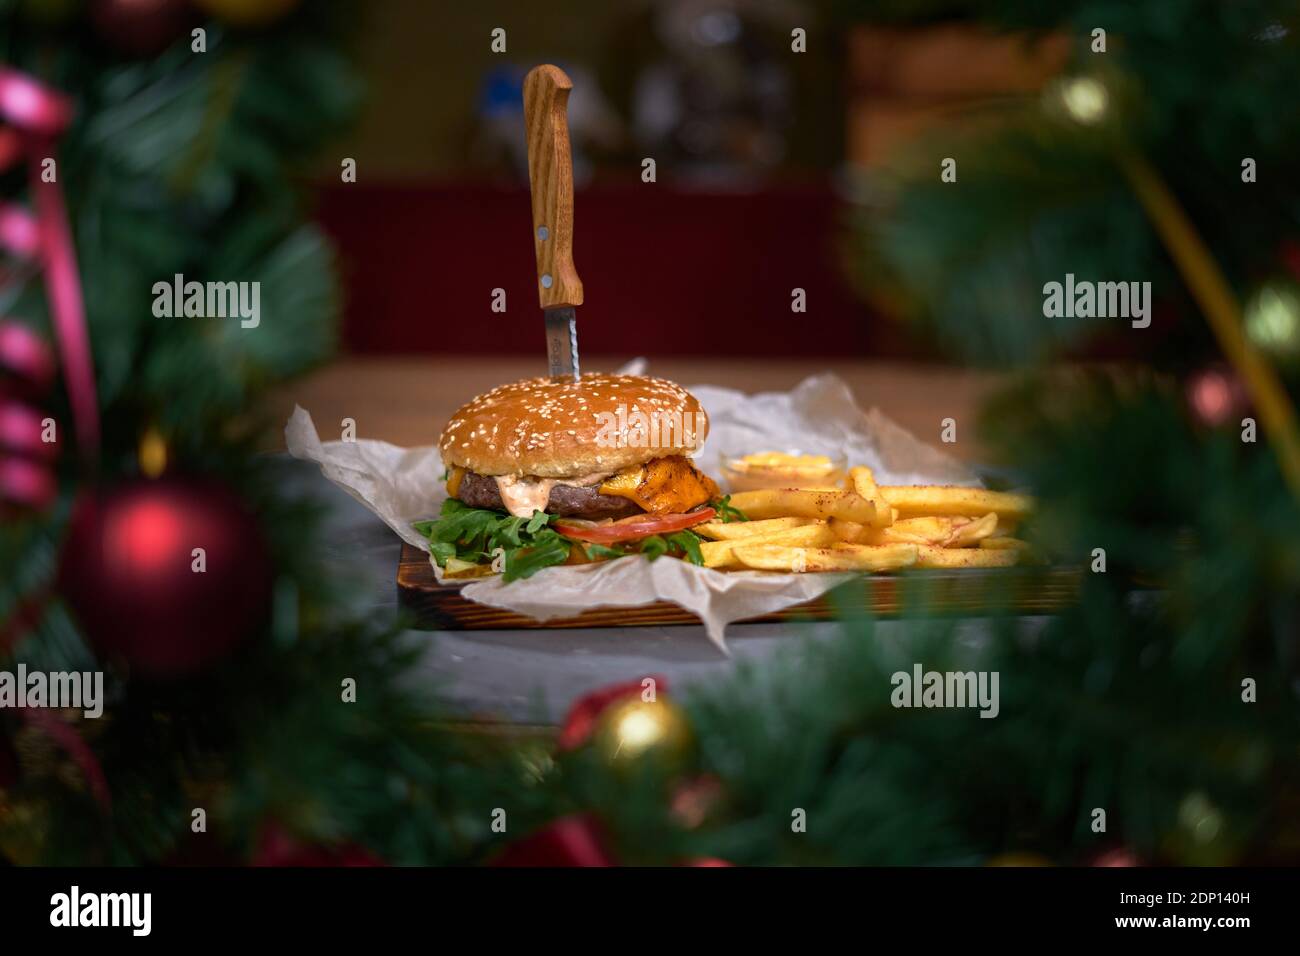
{"x":967,"y":592}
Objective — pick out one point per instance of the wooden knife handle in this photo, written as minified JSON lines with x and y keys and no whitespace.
{"x":550,"y":174}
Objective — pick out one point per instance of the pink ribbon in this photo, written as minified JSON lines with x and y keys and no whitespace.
{"x":20,"y":429}
{"x":39,"y":115}
{"x":24,"y":352}
{"x":28,"y":482}
{"x":29,"y":106}
{"x":20,"y":234}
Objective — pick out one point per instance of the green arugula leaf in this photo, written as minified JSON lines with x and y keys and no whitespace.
{"x":508,"y":532}
{"x":476,"y":534}
{"x":726,"y":513}
{"x":653,"y":547}
{"x":530,"y":544}
{"x":549,"y":548}
{"x":688,"y":542}
{"x":468,"y":528}
{"x":441,"y":551}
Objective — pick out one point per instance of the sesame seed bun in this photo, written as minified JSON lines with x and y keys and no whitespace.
{"x":558,"y":428}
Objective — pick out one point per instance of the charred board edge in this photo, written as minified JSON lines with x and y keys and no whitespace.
{"x":958,"y":592}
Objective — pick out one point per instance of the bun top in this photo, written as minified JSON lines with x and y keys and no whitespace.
{"x":559,"y":428}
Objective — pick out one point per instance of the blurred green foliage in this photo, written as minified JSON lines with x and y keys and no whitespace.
{"x":1196,"y":86}
{"x":1129,"y":701}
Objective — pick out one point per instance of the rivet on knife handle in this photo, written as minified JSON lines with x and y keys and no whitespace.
{"x":550,"y":174}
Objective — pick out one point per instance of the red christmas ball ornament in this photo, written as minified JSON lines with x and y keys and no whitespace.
{"x":1216,"y":396}
{"x":585,"y":712}
{"x":576,"y":840}
{"x":170,"y":574}
{"x":141,"y":27}
{"x":277,"y":847}
{"x":1119,"y":856}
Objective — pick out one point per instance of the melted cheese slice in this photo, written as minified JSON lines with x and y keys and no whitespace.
{"x":455,"y":474}
{"x":662,"y":486}
{"x":669,"y":485}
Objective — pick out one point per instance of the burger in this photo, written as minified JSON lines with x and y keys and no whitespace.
{"x":606,"y":446}
{"x":547,"y":471}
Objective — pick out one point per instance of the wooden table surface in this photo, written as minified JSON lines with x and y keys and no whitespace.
{"x":407,"y":401}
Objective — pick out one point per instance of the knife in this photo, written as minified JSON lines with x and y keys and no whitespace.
{"x":550,"y":177}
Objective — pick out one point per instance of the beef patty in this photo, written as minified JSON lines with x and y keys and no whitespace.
{"x":570,"y":501}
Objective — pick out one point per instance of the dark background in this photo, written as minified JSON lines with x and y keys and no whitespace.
{"x":700,"y":262}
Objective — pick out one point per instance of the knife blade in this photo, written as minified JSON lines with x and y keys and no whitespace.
{"x":550,"y":179}
{"x":562,"y":341}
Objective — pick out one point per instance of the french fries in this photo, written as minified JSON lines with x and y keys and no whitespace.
{"x":776,"y":469}
{"x":718,"y":554}
{"x":801,"y":503}
{"x":862,"y":480}
{"x":850,"y":531}
{"x":841,"y":557}
{"x":928,"y":556}
{"x":912,"y":500}
{"x":931,"y":529}
{"x":868,"y":527}
{"x":717,"y":530}
{"x":970,"y":533}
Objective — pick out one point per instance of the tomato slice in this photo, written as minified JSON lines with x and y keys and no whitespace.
{"x":637,"y":526}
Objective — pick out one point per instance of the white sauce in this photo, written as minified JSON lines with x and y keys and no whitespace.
{"x":524,"y":494}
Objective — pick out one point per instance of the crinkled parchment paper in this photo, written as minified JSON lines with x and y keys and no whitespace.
{"x":403,"y":485}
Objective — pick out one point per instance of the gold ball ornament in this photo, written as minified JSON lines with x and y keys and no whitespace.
{"x":1084,"y":99}
{"x":152,"y":453}
{"x":633,"y":730}
{"x":247,"y":13}
{"x":1093,"y":105}
{"x":1272,"y":320}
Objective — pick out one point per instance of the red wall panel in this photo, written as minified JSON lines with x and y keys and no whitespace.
{"x":666,"y":271}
